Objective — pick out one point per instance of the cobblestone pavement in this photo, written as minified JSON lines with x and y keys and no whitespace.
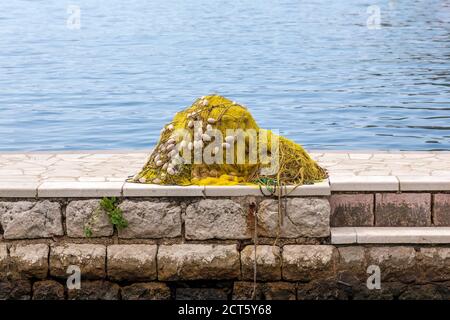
{"x":118,"y":165}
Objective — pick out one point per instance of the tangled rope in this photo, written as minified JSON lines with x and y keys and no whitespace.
{"x":194,"y":129}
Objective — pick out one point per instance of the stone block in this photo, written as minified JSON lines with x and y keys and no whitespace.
{"x":146,"y":291}
{"x":198,"y":262}
{"x":268,"y":262}
{"x":216,"y":219}
{"x":302,"y":217}
{"x":243,"y":290}
{"x":15,"y":290}
{"x":95,"y":290}
{"x":352,"y":260}
{"x":321,"y":289}
{"x":4,"y":261}
{"x":83,"y":213}
{"x":441,"y":209}
{"x":132,"y":262}
{"x":308,"y":262}
{"x":90,"y":258}
{"x":280,"y":291}
{"x":396,"y":263}
{"x":431,"y":291}
{"x":31,"y":219}
{"x":433,"y":264}
{"x":151,"y":219}
{"x":388,"y":291}
{"x":48,"y":290}
{"x":352,"y":210}
{"x":29,"y":261}
{"x":403,"y":210}
{"x":201,"y":294}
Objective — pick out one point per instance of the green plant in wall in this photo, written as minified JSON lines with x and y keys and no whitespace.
{"x":87,"y":231}
{"x":115,"y":214}
{"x":111,"y":208}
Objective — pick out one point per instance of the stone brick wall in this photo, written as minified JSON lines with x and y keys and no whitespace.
{"x":167,"y":218}
{"x":198,"y":248}
{"x":219,"y":271}
{"x":390,"y":209}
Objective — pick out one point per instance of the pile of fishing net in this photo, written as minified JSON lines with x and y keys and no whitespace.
{"x":217,"y":142}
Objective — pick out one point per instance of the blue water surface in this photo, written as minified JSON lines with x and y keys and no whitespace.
{"x":321,"y":72}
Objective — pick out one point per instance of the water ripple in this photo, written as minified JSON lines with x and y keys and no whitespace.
{"x":312,"y":70}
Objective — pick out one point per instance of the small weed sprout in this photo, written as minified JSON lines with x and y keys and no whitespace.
{"x":111,"y":208}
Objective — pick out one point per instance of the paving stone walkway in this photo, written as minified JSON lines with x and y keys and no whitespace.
{"x":115,"y":166}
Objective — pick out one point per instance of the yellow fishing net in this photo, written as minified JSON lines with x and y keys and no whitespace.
{"x":216,"y":141}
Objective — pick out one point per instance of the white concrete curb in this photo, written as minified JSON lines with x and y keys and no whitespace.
{"x":390,"y":235}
